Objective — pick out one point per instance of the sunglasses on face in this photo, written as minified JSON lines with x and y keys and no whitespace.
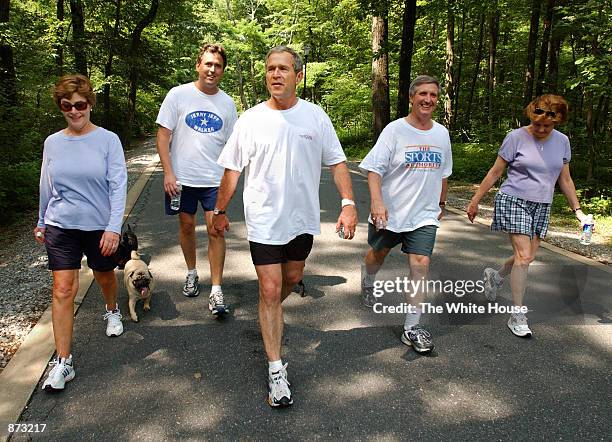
{"x":67,"y":106}
{"x":538,"y":111}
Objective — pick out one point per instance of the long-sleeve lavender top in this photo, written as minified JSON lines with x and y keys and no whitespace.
{"x":83,"y":182}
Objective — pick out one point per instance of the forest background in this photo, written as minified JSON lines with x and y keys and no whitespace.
{"x":491,"y":56}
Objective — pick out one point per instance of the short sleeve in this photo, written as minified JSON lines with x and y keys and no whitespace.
{"x":332,"y":149}
{"x":234,"y":155}
{"x":567,"y":151}
{"x":168,"y":116}
{"x":448,"y":158}
{"x":379,"y":157}
{"x":508,"y":148}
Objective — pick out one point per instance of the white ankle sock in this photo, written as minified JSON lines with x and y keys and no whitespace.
{"x":193,"y":272}
{"x":275,"y":366}
{"x":412,"y":319}
{"x":215,"y":288}
{"x":497,"y":277}
{"x":369,"y":279}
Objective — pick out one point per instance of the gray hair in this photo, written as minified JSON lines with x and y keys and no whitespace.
{"x":422,"y":79}
{"x":297,"y":60}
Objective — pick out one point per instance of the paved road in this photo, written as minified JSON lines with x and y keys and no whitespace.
{"x":180,"y":374}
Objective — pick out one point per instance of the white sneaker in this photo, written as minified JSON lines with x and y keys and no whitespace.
{"x":491,"y":286}
{"x":279,"y":394}
{"x":191,"y":288}
{"x":518,"y":325}
{"x":216,"y":303}
{"x":114,"y":326}
{"x":61,"y":373}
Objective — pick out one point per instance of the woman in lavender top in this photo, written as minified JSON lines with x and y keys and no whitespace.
{"x":537,"y":156}
{"x":83,"y":184}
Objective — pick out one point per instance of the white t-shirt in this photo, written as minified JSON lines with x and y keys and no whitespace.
{"x":282,"y":152}
{"x":412,"y":164}
{"x":200,"y":125}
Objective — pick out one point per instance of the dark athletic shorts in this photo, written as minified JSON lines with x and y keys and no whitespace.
{"x":297,"y":249}
{"x":418,"y":242}
{"x":190,"y":196}
{"x":65,"y":249}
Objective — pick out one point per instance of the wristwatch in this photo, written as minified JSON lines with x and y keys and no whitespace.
{"x":218,"y":212}
{"x":442,"y":203}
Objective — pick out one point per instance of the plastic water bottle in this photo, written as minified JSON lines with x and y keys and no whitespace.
{"x":587,"y":231}
{"x":380,"y":224}
{"x":175,"y":201}
{"x":341,"y":232}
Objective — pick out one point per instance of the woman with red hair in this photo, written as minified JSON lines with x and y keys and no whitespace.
{"x":537,"y":156}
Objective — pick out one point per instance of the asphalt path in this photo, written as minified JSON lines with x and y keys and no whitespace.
{"x":181,"y":374}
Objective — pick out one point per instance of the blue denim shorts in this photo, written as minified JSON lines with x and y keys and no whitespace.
{"x":190,"y":196}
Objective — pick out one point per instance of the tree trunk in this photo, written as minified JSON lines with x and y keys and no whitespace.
{"x":477,"y":60}
{"x":380,"y":74}
{"x":550,"y":5}
{"x":405,"y":61}
{"x":8,"y":79}
{"x":493,"y":37}
{"x":243,"y":100}
{"x":458,"y":71}
{"x":450,"y":55}
{"x":78,"y":36}
{"x":554,"y":49}
{"x":531,"y":52}
{"x":591,"y":151}
{"x":133,"y":76}
{"x":253,"y":80}
{"x":59,"y":46}
{"x":108,"y":68}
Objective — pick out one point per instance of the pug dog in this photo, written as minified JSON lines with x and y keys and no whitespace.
{"x":139,"y":283}
{"x":127,"y":243}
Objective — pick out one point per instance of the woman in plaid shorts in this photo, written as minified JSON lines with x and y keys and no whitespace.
{"x":537,"y":157}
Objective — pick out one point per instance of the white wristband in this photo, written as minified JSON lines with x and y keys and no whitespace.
{"x":347,"y":202}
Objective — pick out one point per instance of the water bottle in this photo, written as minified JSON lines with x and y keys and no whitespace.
{"x":587,"y":231}
{"x":380,"y":224}
{"x":175,"y":201}
{"x":341,"y":232}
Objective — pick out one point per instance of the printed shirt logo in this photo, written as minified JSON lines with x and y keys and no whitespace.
{"x":422,"y":158}
{"x":204,"y":122}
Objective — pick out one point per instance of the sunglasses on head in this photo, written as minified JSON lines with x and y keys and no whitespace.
{"x":67,"y":106}
{"x":539,"y":111}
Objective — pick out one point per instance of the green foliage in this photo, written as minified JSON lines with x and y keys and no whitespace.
{"x":339,"y":69}
{"x":472,"y":161}
{"x":18,"y":189}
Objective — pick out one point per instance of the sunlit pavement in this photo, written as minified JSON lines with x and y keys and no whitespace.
{"x":181,"y":374}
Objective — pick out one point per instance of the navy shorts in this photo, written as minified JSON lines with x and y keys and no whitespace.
{"x":65,"y":249}
{"x":190,"y":196}
{"x":418,"y":242}
{"x":516,"y":215}
{"x":297,"y":249}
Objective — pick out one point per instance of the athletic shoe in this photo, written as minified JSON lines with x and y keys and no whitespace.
{"x":216,"y":303}
{"x":367,"y":294}
{"x":191,"y":289}
{"x":518,"y":325}
{"x":279,"y":394}
{"x":418,"y":338}
{"x":61,"y":373}
{"x":491,"y":286}
{"x":114,"y":326}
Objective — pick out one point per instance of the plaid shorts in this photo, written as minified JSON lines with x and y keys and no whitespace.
{"x":516,"y":215}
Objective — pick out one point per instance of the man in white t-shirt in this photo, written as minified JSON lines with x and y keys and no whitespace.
{"x":281,"y":144}
{"x":407,"y":174}
{"x":195,"y":120}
